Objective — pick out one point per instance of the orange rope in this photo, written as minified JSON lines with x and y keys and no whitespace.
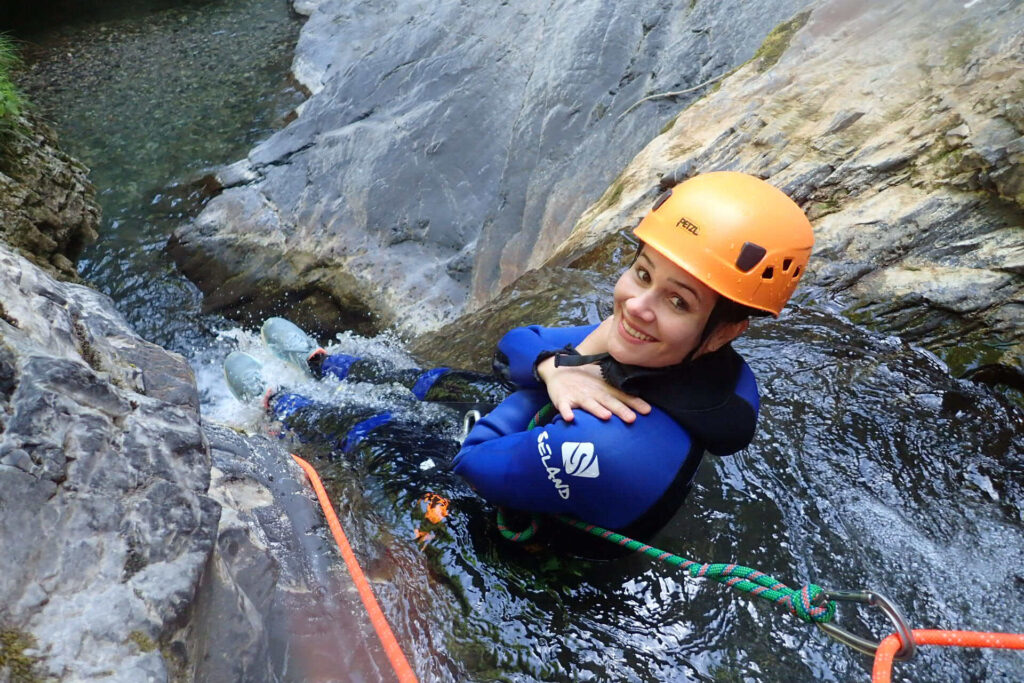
{"x":380,"y":623}
{"x":882,"y":671}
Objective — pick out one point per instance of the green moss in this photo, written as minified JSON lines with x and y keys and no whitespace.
{"x":960,"y":48}
{"x":777,"y":42}
{"x":11,"y":100}
{"x":613,"y":194}
{"x":19,"y":667}
{"x":142,"y":641}
{"x":970,"y":354}
{"x":668,"y":126}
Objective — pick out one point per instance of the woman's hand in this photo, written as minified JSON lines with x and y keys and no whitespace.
{"x":583,"y":386}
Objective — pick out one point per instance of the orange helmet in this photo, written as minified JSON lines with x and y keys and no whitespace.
{"x":737,"y":234}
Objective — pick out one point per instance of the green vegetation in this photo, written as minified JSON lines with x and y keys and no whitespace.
{"x":142,"y":641}
{"x":18,"y":666}
{"x":11,"y":101}
{"x":613,"y":193}
{"x":961,"y":47}
{"x":777,"y":42}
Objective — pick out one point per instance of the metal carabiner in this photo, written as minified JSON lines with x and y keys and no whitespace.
{"x":907,"y":645}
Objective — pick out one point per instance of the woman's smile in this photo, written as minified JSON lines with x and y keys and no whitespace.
{"x":632,"y":334}
{"x":660,"y":312}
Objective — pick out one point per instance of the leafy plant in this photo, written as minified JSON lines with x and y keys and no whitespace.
{"x":11,"y":100}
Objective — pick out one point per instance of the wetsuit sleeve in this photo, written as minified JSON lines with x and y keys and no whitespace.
{"x":607,"y":473}
{"x":519,"y":348}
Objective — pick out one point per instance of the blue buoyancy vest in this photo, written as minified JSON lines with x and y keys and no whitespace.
{"x":628,"y":477}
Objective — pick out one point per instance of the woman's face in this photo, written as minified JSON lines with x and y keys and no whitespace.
{"x":660,"y":312}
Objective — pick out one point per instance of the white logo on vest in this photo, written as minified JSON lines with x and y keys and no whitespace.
{"x":579,"y":460}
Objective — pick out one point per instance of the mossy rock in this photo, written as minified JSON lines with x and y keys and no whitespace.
{"x":15,"y":664}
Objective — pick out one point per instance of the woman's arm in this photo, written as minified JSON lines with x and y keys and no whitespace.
{"x":519,"y":348}
{"x":583,"y":386}
{"x":603,"y":472}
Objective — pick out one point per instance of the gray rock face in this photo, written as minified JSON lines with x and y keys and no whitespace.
{"x":123,"y":558}
{"x":104,"y":518}
{"x":48,"y":207}
{"x":273,"y":605}
{"x":899,"y":129}
{"x":447,"y":147}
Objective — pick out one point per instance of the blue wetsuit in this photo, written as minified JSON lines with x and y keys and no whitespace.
{"x":627,"y":477}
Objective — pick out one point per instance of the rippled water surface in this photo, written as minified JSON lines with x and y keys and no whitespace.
{"x":148,"y":95}
{"x":873,"y":468}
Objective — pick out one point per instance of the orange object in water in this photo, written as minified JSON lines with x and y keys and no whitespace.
{"x":380,"y":623}
{"x":437,"y":507}
{"x":882,"y":670}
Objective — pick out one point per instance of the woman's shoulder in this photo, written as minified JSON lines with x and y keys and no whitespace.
{"x":559,"y":336}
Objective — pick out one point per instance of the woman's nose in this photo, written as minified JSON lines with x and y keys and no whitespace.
{"x":640,"y":307}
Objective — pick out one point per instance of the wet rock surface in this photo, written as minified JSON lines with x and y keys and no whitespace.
{"x":445,"y":149}
{"x":48,"y":208}
{"x":273,"y":605}
{"x":138,"y":544}
{"x":899,"y":130}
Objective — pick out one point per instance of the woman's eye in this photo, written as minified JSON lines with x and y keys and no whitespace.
{"x":642,"y":274}
{"x":679,"y":303}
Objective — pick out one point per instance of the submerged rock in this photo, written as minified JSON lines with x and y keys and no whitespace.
{"x":122,"y":560}
{"x":444,"y":152}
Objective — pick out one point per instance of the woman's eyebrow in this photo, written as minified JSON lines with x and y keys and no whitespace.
{"x":683,"y":285}
{"x":677,"y":283}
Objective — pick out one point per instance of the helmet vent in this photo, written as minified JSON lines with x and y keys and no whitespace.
{"x":796,"y":273}
{"x":786,"y":263}
{"x":750,"y":255}
{"x":768,"y":273}
{"x":661,"y":199}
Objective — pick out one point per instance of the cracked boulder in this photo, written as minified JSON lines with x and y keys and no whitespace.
{"x":104,"y":519}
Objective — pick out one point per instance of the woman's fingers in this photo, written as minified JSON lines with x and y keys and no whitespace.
{"x":581,"y":388}
{"x":636,"y":403}
{"x":597,"y":408}
{"x":620,"y":409}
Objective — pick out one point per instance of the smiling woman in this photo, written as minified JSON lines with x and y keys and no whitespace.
{"x":715,"y":250}
{"x":638,"y":399}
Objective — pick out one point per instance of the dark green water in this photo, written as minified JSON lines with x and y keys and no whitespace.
{"x":149,"y":95}
{"x":873,"y":468}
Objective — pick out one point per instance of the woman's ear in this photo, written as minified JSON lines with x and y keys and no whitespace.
{"x":722,"y":335}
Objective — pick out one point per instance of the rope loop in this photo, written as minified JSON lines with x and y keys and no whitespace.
{"x":517,"y":536}
{"x":811,"y":604}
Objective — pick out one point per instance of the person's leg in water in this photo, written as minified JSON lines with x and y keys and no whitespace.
{"x":461,"y":389}
{"x":341,"y":423}
{"x":406,"y":451}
